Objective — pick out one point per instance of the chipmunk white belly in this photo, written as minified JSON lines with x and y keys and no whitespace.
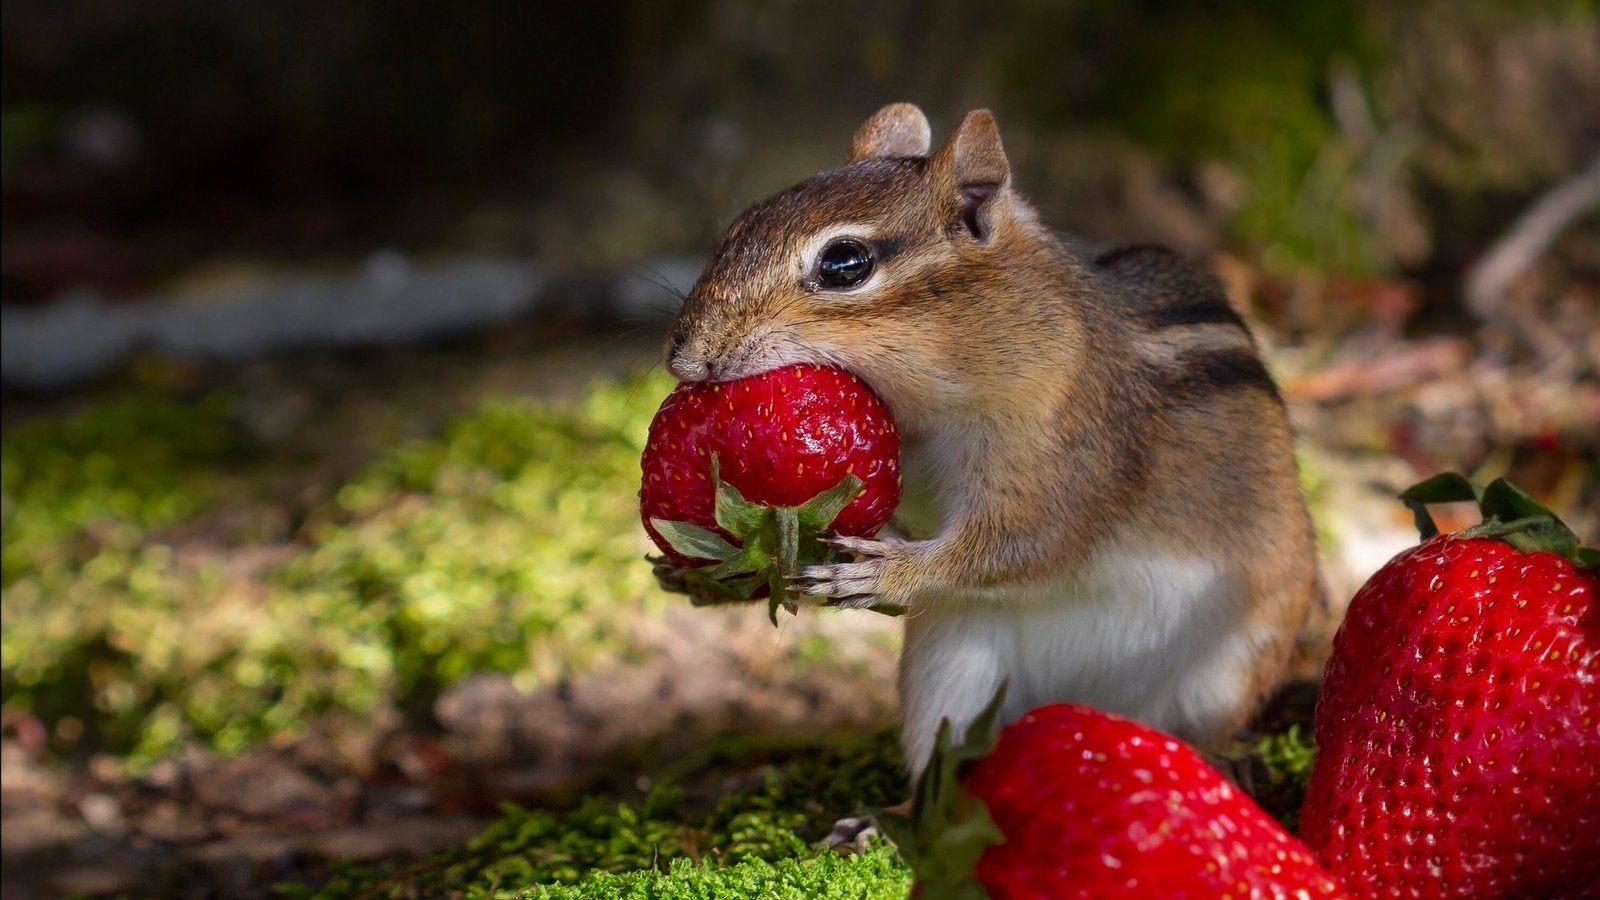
{"x":1150,"y":635}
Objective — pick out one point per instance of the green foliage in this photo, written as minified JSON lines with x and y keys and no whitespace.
{"x":1237,"y":82}
{"x":1251,"y":91}
{"x":1289,"y":757}
{"x":509,"y":544}
{"x":755,"y":842}
{"x":1252,"y":85}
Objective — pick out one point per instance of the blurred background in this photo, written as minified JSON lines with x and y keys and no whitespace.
{"x":330,"y":334}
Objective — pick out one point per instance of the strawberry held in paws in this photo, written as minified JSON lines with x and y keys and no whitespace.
{"x":1082,"y":803}
{"x":747,"y":474}
{"x":1459,"y":721}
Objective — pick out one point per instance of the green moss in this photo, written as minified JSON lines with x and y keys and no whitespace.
{"x":83,"y":582}
{"x":877,"y":874}
{"x":510,"y":543}
{"x":756,"y":842}
{"x":108,"y":473}
{"x":1289,"y":757}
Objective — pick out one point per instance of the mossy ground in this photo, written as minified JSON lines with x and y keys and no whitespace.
{"x":755,"y":841}
{"x":760,"y":841}
{"x":506,"y":544}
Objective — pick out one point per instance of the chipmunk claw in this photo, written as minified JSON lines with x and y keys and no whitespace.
{"x":839,"y":584}
{"x":855,"y":546}
{"x":877,"y":576}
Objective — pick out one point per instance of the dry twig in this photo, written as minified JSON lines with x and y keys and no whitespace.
{"x":1530,"y":235}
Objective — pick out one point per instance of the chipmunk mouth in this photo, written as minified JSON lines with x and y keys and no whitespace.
{"x":760,"y":354}
{"x":715,"y":370}
{"x":757,"y":356}
{"x":689,"y":370}
{"x":690,"y":366}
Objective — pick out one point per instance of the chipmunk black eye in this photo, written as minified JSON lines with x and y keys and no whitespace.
{"x":844,"y":263}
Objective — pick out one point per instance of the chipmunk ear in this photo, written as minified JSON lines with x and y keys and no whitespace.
{"x":971,"y":170}
{"x":897,"y":130}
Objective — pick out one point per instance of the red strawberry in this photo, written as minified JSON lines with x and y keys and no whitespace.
{"x":799,"y":449}
{"x":1094,"y":805}
{"x":1459,"y":720}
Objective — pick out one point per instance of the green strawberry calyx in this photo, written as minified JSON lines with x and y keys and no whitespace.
{"x":774,"y":543}
{"x":1510,"y":515}
{"x":949,"y":829}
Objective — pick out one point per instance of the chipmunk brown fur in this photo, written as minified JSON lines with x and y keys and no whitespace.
{"x":1113,"y":513}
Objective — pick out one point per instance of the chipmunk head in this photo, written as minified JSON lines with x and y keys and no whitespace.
{"x":875,"y":266}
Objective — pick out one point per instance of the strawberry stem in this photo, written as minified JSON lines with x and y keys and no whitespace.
{"x":769,"y":545}
{"x":1510,"y":514}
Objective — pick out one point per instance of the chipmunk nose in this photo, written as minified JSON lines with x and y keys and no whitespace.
{"x":686,"y":370}
{"x":692,"y":360}
{"x":681,"y":368}
{"x":686,"y":366}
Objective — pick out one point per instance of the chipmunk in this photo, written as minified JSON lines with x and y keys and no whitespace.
{"x":1114,"y":515}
